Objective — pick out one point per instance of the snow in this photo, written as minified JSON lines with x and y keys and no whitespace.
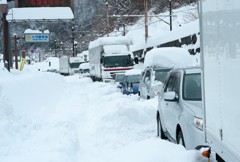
{"x":40,"y":14}
{"x":171,"y":57}
{"x":84,"y":66}
{"x":48,"y":117}
{"x":110,"y":41}
{"x":30,"y":31}
{"x":110,"y":49}
{"x":133,"y":72}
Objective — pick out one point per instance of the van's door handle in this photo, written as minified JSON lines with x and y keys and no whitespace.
{"x":167,"y":104}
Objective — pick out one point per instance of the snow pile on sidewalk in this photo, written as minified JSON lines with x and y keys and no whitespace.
{"x":48,"y":117}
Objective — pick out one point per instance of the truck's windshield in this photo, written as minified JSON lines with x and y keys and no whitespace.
{"x":118,"y":61}
{"x":192,"y":87}
{"x":74,"y":65}
{"x":86,"y":71}
{"x":160,"y":75}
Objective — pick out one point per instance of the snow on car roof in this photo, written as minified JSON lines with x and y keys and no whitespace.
{"x":133,"y":72}
{"x":110,"y":41}
{"x":84,"y":66}
{"x":171,"y":57}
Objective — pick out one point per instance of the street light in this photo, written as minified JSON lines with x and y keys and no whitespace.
{"x":75,"y":46}
{"x":55,"y":48}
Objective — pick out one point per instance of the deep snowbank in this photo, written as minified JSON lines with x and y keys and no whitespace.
{"x":47,"y":117}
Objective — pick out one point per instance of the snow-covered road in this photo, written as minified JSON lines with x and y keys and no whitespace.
{"x":46,"y":117}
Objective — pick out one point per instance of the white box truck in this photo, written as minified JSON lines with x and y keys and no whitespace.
{"x":74,"y":63}
{"x":64,"y":68}
{"x":109,"y":55}
{"x":220,"y":59}
{"x":69,"y":66}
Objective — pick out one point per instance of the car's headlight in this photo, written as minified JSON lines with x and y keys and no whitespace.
{"x":157,"y":91}
{"x":198,"y":123}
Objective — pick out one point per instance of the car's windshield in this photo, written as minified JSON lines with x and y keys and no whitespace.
{"x":133,"y":78}
{"x":86,"y":71}
{"x":120,"y":77}
{"x":74,"y":64}
{"x":160,"y":75}
{"x":118,"y":61}
{"x":192,"y":87}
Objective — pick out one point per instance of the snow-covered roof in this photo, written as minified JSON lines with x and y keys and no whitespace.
{"x":84,"y":66}
{"x":3,"y":1}
{"x":110,"y":41}
{"x":40,"y":14}
{"x":114,"y":48}
{"x":133,"y":72}
{"x":168,"y":57}
{"x":29,"y":31}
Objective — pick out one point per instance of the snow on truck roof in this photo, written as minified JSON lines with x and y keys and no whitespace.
{"x":84,"y":66}
{"x":168,"y":57}
{"x":110,"y":41}
{"x":133,"y":72}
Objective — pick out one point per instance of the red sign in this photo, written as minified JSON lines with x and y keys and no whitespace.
{"x":44,"y":3}
{"x":23,"y":54}
{"x":36,"y":51}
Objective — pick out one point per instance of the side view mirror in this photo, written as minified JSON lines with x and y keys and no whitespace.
{"x":121,"y":83}
{"x":136,"y":60}
{"x":119,"y":86}
{"x":146,"y":79}
{"x":170,"y":96}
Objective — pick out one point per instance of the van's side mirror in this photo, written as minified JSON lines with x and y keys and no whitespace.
{"x":136,"y":60}
{"x":121,"y":83}
{"x":170,"y":96}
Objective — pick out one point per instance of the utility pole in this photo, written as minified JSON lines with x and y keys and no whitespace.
{"x":146,"y":21}
{"x":107,"y":20}
{"x":170,"y":15}
{"x":16,"y":57}
{"x":6,"y":60}
{"x":73,"y":30}
{"x":15,"y":49}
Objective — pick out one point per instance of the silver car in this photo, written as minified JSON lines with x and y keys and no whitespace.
{"x":151,"y":82}
{"x":179,"y":113}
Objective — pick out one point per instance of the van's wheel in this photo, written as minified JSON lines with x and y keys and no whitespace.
{"x":180,"y":139}
{"x":139,"y":93}
{"x":160,"y":132}
{"x":148,"y":97}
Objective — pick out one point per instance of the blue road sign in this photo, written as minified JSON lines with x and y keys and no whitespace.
{"x":42,"y":37}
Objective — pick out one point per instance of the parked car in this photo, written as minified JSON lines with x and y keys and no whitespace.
{"x":130,"y":82}
{"x":53,"y":70}
{"x":151,"y":82}
{"x":158,"y":62}
{"x":118,"y":77}
{"x":179,"y":112}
